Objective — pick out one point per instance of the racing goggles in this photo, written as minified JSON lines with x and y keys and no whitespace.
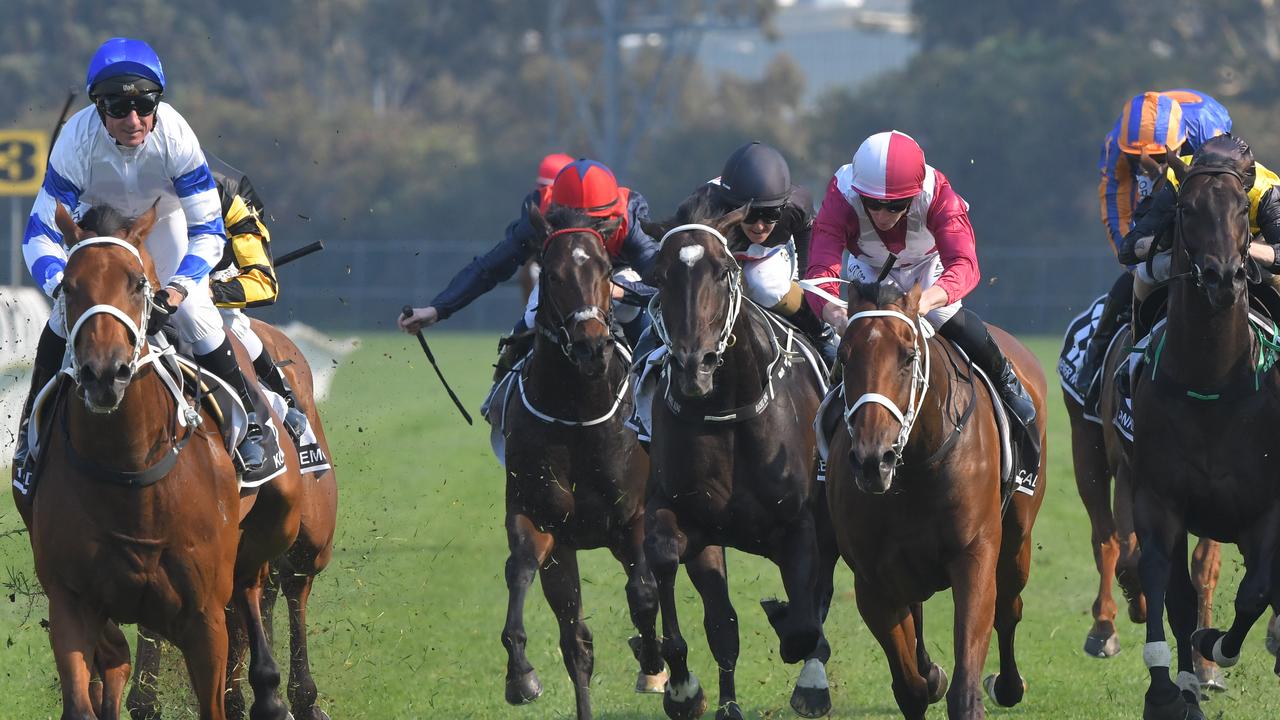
{"x":766,"y":215}
{"x":891,"y":206}
{"x":119,"y":106}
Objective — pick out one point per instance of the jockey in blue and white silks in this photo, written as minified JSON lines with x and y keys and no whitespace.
{"x":129,"y":151}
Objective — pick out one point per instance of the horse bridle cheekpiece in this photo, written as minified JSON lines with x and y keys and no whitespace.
{"x":735,"y":292}
{"x":136,"y":328}
{"x":560,"y":333}
{"x":1196,"y":274}
{"x":920,"y":365}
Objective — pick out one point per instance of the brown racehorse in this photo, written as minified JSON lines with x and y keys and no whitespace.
{"x":575,"y":475}
{"x":733,"y":464}
{"x":136,"y":518}
{"x":915,"y":494}
{"x":1100,"y":454}
{"x":1205,"y":413}
{"x":293,"y":573}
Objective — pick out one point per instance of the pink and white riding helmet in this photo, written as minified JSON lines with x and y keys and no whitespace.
{"x":888,"y":166}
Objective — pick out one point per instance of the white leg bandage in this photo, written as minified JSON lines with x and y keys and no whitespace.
{"x":813,"y":675}
{"x":1157,"y":654}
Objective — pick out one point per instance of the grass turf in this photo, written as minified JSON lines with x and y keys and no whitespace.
{"x":405,"y":623}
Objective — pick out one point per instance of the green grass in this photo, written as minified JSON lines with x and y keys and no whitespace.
{"x":405,"y":623}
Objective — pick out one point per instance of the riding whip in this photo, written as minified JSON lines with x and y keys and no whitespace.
{"x":303,"y":251}
{"x":62,"y":120}
{"x":406,"y":312}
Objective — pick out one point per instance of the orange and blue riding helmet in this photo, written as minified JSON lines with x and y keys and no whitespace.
{"x":1151,"y":123}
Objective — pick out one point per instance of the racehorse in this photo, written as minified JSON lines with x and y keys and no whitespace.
{"x":1100,"y":454}
{"x":914,"y":487}
{"x":733,"y":464}
{"x":137,"y":518}
{"x":575,"y":475}
{"x":1205,"y":413}
{"x":292,"y":573}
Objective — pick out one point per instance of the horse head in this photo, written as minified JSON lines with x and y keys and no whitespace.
{"x":699,"y":295}
{"x":106,"y":297}
{"x":1211,"y":232}
{"x":885,"y":367}
{"x":575,"y":305}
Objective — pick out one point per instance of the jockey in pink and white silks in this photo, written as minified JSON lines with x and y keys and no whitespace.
{"x":127,"y":151}
{"x":888,"y":200}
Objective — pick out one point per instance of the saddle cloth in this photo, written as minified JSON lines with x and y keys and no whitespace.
{"x":1075,"y":346}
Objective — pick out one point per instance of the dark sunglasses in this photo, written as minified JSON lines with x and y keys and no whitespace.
{"x":763,"y":214}
{"x":893,"y":206}
{"x":119,"y":106}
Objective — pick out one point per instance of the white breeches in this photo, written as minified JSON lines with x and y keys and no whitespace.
{"x":924,"y":274}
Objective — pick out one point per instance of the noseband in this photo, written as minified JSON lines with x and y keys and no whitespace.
{"x":725,"y":338}
{"x":139,"y":337}
{"x":920,"y":366}
{"x":559,"y":333}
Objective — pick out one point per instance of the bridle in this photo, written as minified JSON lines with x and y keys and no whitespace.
{"x":559,"y":333}
{"x":920,"y":367}
{"x":1196,"y":273}
{"x":734,"y":280}
{"x":135,"y":328}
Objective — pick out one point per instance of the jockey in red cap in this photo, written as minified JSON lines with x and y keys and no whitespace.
{"x":584,"y":185}
{"x":888,"y":200}
{"x":551,"y":166}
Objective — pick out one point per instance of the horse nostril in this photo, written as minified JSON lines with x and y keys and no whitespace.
{"x":710,"y":360}
{"x":123,"y":373}
{"x":888,"y":458}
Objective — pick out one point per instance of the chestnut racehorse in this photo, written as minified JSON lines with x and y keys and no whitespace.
{"x":915,"y":494}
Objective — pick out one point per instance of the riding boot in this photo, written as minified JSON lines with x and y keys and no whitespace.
{"x":822,"y":335}
{"x":1114,"y":316}
{"x":968,"y":331}
{"x":49,"y":352}
{"x":295,"y":420}
{"x":249,"y":455}
{"x":511,"y":349}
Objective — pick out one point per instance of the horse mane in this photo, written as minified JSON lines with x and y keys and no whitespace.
{"x":105,"y":221}
{"x":881,"y":293}
{"x":699,"y":208}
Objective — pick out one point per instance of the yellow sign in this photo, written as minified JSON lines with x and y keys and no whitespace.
{"x":22,"y":159}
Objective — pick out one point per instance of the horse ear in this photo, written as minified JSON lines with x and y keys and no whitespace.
{"x":912,"y":300}
{"x":656,"y":230}
{"x":1176,"y":165}
{"x":537,"y":221}
{"x":727,"y":222}
{"x":71,"y":232}
{"x":141,"y":227}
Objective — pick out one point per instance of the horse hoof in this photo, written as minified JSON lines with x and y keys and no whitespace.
{"x":1211,"y":678}
{"x":1206,"y":642}
{"x":1273,"y":636}
{"x":1175,"y":708}
{"x":938,"y":683}
{"x":729,"y":711}
{"x":689,"y":709}
{"x":524,"y":689}
{"x":651,"y":684}
{"x":1102,"y":647}
{"x":1004,"y":694}
{"x":659,"y":671}
{"x":799,"y":644}
{"x":811,"y":702}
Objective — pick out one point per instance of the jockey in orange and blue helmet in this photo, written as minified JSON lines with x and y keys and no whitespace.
{"x":584,"y":185}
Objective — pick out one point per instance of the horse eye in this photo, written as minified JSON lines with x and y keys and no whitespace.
{"x":140,"y":285}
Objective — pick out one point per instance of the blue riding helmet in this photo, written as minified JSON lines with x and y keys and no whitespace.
{"x":124,"y":56}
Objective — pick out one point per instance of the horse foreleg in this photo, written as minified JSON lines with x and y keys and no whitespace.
{"x":146,"y":675}
{"x":264,"y":673}
{"x":302,"y":687}
{"x":1180,"y":599}
{"x":932,"y":672}
{"x":642,"y":601}
{"x":560,"y":585}
{"x":74,"y":631}
{"x":237,"y":645}
{"x":1253,"y":597}
{"x":894,"y":628}
{"x":1093,"y":483}
{"x":204,"y":648}
{"x":797,"y":559}
{"x":710,"y":578}
{"x":1157,"y":532}
{"x":1127,"y":573}
{"x":974,"y":595}
{"x":529,"y":549}
{"x":811,"y":696}
{"x":112,"y":662}
{"x":664,"y":545}
{"x":1012,"y":570}
{"x":1206,"y":564}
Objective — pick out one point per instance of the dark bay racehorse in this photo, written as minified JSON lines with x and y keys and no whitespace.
{"x":575,"y":475}
{"x":915,"y":493}
{"x":733,"y":465}
{"x":137,"y":517}
{"x":1100,"y":454}
{"x":1206,"y":411}
{"x":293,"y":573}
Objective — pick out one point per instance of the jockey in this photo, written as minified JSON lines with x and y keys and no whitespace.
{"x":889,"y":201}
{"x":245,"y":278}
{"x":550,"y":166}
{"x":585,"y":185}
{"x":1181,"y":120}
{"x":129,"y":150}
{"x":772,"y":242}
{"x":1262,"y":186}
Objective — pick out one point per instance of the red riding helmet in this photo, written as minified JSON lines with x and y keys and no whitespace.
{"x":588,"y":186}
{"x":551,"y":166}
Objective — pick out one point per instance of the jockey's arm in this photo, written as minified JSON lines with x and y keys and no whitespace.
{"x":833,"y":229}
{"x":1158,"y":219}
{"x":42,"y":241}
{"x":1267,"y":217}
{"x":484,"y":272}
{"x":197,"y":192}
{"x":255,"y":284}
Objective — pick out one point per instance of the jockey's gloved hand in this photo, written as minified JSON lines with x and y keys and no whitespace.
{"x":161,"y":311}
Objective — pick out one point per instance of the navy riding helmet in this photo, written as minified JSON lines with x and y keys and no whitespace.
{"x":758,"y":174}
